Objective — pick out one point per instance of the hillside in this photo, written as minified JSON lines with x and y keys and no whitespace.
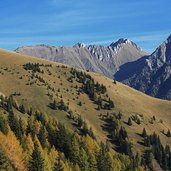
{"x":69,"y":94}
{"x":152,"y":74}
{"x":101,"y":59}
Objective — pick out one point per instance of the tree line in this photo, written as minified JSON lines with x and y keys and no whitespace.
{"x":95,"y":91}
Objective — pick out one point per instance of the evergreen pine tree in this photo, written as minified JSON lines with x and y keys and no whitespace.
{"x":85,"y":128}
{"x":126,"y":147}
{"x":101,"y":163}
{"x":119,"y":116}
{"x":111,"y":104}
{"x":63,"y":139}
{"x":74,"y":149}
{"x":42,"y":136}
{"x":147,"y":142}
{"x":114,"y":81}
{"x":109,"y":162}
{"x":92,"y":163}
{"x":136,"y":160}
{"x":22,"y":109}
{"x":129,"y":121}
{"x":91,"y":133}
{"x":59,"y":165}
{"x":3,"y":125}
{"x":169,"y":160}
{"x":149,"y":159}
{"x":80,"y":121}
{"x":9,"y":104}
{"x":37,"y":162}
{"x":54,"y":105}
{"x":15,"y":125}
{"x":21,"y":126}
{"x":168,"y":133}
{"x":144,"y":133}
{"x":83,"y":160}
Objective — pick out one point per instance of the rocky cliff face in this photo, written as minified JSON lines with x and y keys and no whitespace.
{"x":151,"y":74}
{"x":101,"y":59}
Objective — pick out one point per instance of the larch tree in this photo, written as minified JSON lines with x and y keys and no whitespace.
{"x":13,"y":151}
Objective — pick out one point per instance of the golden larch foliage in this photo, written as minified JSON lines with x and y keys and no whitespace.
{"x":91,"y":145}
{"x":13,"y":151}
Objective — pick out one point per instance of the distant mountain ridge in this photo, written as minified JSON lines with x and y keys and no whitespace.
{"x":152,"y":74}
{"x":105,"y":60}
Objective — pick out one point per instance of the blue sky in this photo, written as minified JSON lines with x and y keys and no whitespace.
{"x":66,"y":22}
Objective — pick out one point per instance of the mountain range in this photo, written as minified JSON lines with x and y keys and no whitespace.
{"x":105,"y":60}
{"x":122,"y":60}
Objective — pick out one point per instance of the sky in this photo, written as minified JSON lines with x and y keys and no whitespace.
{"x":101,"y":22}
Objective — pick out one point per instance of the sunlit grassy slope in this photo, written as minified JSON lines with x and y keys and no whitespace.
{"x":14,"y":78}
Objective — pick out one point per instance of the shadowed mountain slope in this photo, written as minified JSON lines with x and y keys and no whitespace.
{"x":152,"y":74}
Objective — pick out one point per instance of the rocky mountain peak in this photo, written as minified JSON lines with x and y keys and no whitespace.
{"x":169,"y":38}
{"x":79,"y":45}
{"x":167,"y":41}
{"x":120,"y":41}
{"x":163,"y":53}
